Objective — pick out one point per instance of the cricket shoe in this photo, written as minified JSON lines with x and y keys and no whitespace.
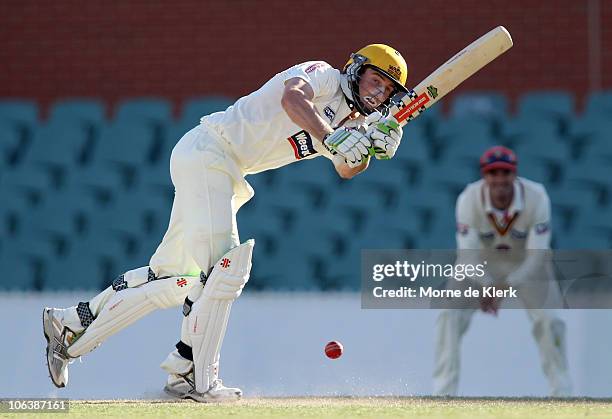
{"x":179,"y":385}
{"x":58,"y":339}
{"x":183,"y":387}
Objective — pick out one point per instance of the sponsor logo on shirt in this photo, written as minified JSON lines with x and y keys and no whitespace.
{"x":487,"y":235}
{"x":541,"y":228}
{"x":518,"y":234}
{"x":463,"y":229}
{"x":329,"y":113}
{"x":302,"y":145}
{"x":313,"y":67}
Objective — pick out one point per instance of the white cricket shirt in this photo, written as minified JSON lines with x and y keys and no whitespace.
{"x":258,"y":130}
{"x":524,"y":225}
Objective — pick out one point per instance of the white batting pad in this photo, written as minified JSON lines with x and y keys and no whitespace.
{"x":130,"y":304}
{"x":210,"y":313}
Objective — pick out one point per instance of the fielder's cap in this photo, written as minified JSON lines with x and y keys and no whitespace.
{"x":498,"y":157}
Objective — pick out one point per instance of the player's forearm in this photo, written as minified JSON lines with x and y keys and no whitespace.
{"x":346,"y":172}
{"x":302,"y":112}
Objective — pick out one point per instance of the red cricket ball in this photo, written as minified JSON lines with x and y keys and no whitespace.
{"x":333,"y":349}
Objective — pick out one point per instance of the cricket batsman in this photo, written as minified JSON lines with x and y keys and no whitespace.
{"x":503,"y":212}
{"x":304,"y":112}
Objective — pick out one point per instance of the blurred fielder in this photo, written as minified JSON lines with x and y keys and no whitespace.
{"x":503,"y":211}
{"x":307,"y":111}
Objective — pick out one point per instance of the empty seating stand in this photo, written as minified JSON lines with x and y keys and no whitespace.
{"x":87,"y":189}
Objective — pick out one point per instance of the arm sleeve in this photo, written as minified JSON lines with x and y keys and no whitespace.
{"x":538,"y":238}
{"x":322,"y":77}
{"x":466,"y":234}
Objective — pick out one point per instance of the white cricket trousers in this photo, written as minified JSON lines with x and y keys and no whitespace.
{"x":547,"y":329}
{"x":209,"y":190}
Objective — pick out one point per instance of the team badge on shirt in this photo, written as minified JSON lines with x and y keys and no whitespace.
{"x":329,"y":113}
{"x":302,"y":145}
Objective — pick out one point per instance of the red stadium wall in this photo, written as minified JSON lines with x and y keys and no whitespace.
{"x":188,"y":48}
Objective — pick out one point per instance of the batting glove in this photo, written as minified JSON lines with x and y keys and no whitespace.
{"x":385,"y":133}
{"x":349,"y":143}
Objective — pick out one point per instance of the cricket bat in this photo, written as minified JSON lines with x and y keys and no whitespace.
{"x":405,"y":107}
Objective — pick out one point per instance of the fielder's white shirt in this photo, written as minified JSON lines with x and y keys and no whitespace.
{"x":258,"y":130}
{"x":524,"y":225}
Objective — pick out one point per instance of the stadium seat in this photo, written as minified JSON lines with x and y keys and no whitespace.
{"x":122,"y":156}
{"x":593,"y":176}
{"x":157,"y":180}
{"x":598,"y":149}
{"x":588,"y":125}
{"x":125,"y":143}
{"x":487,"y":105}
{"x":452,"y":176}
{"x":57,"y":148}
{"x":21,"y":116}
{"x":442,"y":235}
{"x":537,"y":170}
{"x":467,"y":126}
{"x":288,"y":266}
{"x":556,"y":104}
{"x":414,"y":145}
{"x":583,"y":172}
{"x":426,"y":205}
{"x":412,"y":157}
{"x":599,"y":103}
{"x":338,"y":254}
{"x":318,"y":171}
{"x":592,"y":221}
{"x":582,"y":240}
{"x":468,"y":136}
{"x":18,"y":111}
{"x":14,"y":213}
{"x":551,"y":154}
{"x":430,"y":117}
{"x":278,"y":216}
{"x":9,"y":144}
{"x":90,"y":112}
{"x":525,"y":129}
{"x":464,"y":150}
{"x":567,"y":202}
{"x":150,"y":110}
{"x":28,"y":186}
{"x":195,"y":108}
{"x":19,"y":271}
{"x":172,"y":134}
{"x":81,"y":270}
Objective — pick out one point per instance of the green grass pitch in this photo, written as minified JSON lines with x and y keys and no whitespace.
{"x":344,"y":407}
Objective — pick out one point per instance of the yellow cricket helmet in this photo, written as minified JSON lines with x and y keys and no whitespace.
{"x":383,"y":59}
{"x":386,"y":59}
